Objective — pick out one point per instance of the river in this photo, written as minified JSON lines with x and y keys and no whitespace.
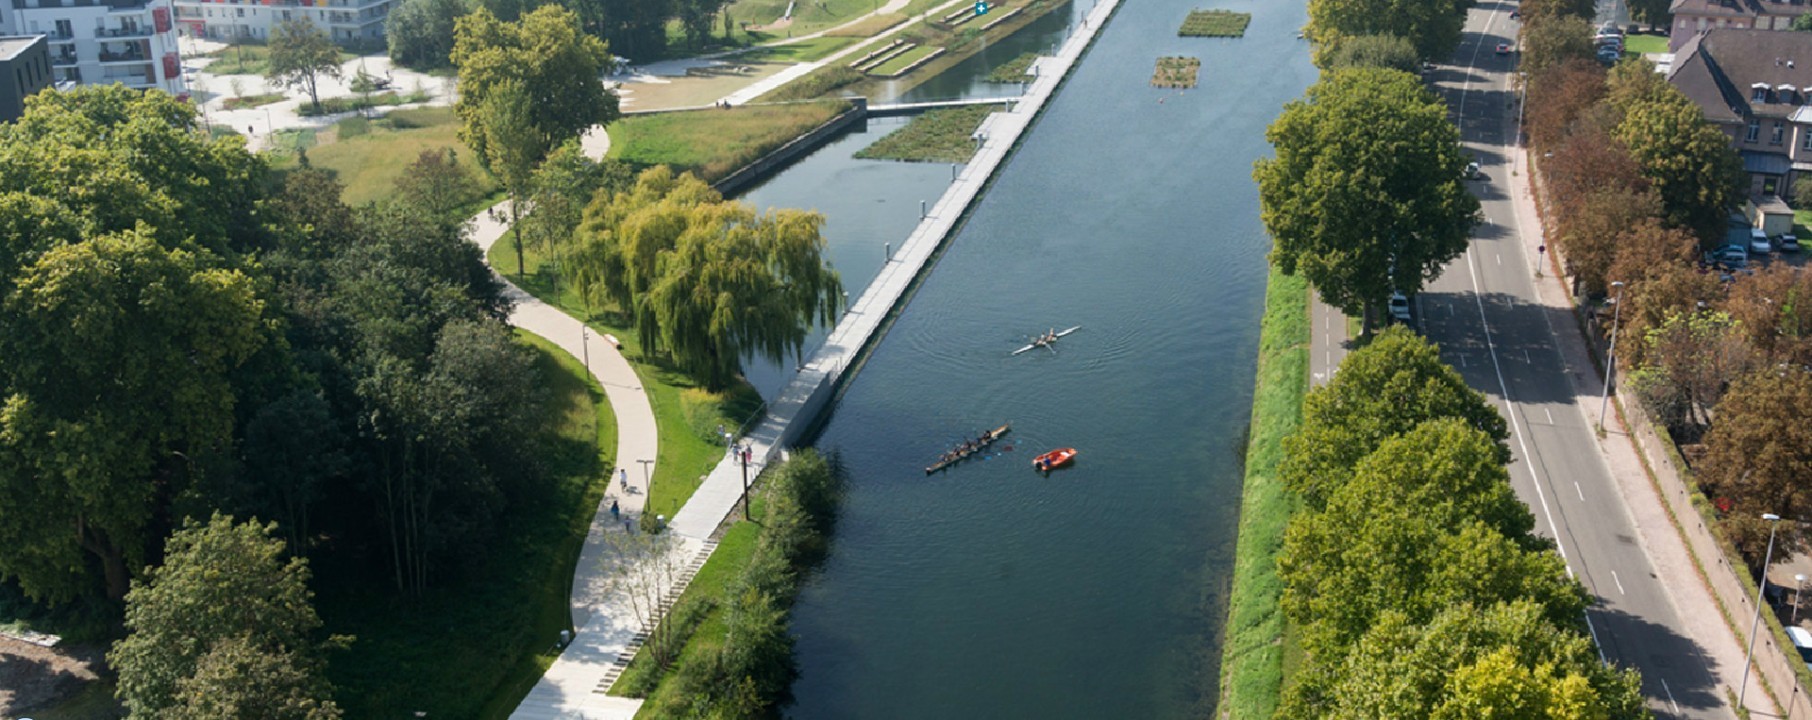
{"x":1098,"y":591}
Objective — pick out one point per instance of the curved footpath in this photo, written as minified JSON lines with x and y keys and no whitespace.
{"x":608,"y":636}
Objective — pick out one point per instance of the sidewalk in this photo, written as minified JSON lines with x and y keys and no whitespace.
{"x":764,"y":85}
{"x":1659,"y":539}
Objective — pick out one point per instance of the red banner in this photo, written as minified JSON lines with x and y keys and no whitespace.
{"x":172,"y":65}
{"x":160,"y":17}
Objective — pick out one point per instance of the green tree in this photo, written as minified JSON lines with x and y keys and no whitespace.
{"x":1687,"y":364}
{"x":1432,"y":27}
{"x":555,"y":67}
{"x":1656,"y":14}
{"x":1365,"y":194}
{"x":1554,"y":42}
{"x":1773,"y":308}
{"x":1539,"y":11}
{"x":560,"y":189}
{"x":420,"y":32}
{"x":1756,"y":456}
{"x":300,"y":54}
{"x":512,"y":149}
{"x":438,"y":184}
{"x":1802,"y":23}
{"x":707,"y":281}
{"x":116,"y":387}
{"x":1688,"y":160}
{"x":1386,"y":51}
{"x":1384,"y":389}
{"x":224,"y":596}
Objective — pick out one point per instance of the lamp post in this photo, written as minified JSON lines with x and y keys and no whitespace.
{"x":645,"y":464}
{"x":1799,"y":586}
{"x":1768,"y":557}
{"x":1611,"y":358}
{"x":743,"y":454}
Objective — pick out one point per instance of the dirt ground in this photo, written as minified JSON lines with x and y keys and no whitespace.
{"x":33,"y":677}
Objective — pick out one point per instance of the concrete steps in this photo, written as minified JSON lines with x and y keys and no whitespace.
{"x":668,"y":599}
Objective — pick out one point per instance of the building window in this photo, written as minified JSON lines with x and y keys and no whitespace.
{"x":1805,"y":138}
{"x":1758,"y":95}
{"x":1780,"y":133}
{"x":1770,"y":183}
{"x":1755,"y":130}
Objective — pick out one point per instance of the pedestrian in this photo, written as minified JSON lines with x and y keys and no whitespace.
{"x":623,"y":478}
{"x":613,"y":510}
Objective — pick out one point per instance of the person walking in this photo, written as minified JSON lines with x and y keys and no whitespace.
{"x":613,"y":510}
{"x":623,"y":478}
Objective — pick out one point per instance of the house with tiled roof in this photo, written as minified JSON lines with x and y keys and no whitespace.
{"x":1756,"y":86}
{"x":1696,"y":17}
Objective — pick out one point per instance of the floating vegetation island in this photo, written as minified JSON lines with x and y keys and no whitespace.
{"x":1017,"y":70}
{"x":1176,"y":72}
{"x":1215,"y":23}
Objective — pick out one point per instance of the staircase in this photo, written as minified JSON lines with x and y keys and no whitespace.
{"x":680,"y":583}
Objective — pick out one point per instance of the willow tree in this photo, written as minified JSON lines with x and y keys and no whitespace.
{"x":707,"y":281}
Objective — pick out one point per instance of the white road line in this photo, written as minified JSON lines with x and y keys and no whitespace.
{"x":1531,"y":362}
{"x":1500,"y":258}
{"x":1670,"y":695}
{"x":1580,"y":490}
{"x":1614,"y":579}
{"x":1550,"y":415}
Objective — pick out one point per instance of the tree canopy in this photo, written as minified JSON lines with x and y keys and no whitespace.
{"x":1386,"y":51}
{"x":1365,"y":195}
{"x":1756,"y":459}
{"x":556,"y":69}
{"x":420,"y":32}
{"x":705,"y":280}
{"x":1432,"y":27}
{"x":1688,"y":160}
{"x":225,"y":613}
{"x":300,"y":54}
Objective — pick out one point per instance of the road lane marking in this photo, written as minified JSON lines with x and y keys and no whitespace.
{"x":1620,"y":590}
{"x":1532,"y":362}
{"x":1580,"y":490}
{"x":1549,"y":412}
{"x":1500,"y":258}
{"x":1670,"y":695}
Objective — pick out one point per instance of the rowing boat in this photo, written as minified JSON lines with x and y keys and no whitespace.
{"x":1053,"y":459}
{"x":974,"y":446}
{"x":1047,"y":341}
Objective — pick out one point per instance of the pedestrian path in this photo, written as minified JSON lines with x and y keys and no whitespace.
{"x":764,"y":85}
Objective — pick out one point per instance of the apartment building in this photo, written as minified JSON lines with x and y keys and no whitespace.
{"x":1756,"y":86}
{"x":101,"y":42}
{"x":347,"y":22}
{"x":1693,"y":17}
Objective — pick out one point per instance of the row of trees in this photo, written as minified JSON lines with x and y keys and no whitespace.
{"x":421,"y":32}
{"x":1637,"y":183}
{"x":1411,"y":567}
{"x":1432,"y":29}
{"x":187,"y":333}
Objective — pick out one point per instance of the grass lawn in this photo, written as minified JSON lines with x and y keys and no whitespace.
{"x":1016,"y":70}
{"x":698,"y":607}
{"x":252,"y":101}
{"x":369,"y":162}
{"x":936,"y":136}
{"x":246,"y":60}
{"x":1643,"y":44}
{"x":1215,"y":23}
{"x":687,"y":416}
{"x":802,"y":51}
{"x":902,"y":60}
{"x":1253,"y":653}
{"x":870,"y":27}
{"x":476,"y":644}
{"x":712,"y":143}
{"x":334,"y":106}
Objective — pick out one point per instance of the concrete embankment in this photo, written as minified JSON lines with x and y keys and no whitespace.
{"x":806,"y":397}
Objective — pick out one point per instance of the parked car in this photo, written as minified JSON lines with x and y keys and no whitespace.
{"x":1609,"y":56}
{"x":1759,"y":244}
{"x":1731,"y":256}
{"x":1788,"y":243}
{"x":1802,"y":641}
{"x":1610,"y":28}
{"x":1399,"y":307}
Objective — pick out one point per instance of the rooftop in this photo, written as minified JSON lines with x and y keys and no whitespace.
{"x":10,"y":47}
{"x":1739,"y":8}
{"x":1720,"y":69}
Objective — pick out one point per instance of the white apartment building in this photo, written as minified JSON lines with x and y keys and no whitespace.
{"x":347,"y":22}
{"x":104,"y":42}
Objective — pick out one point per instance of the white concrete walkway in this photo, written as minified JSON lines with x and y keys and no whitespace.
{"x":764,"y":85}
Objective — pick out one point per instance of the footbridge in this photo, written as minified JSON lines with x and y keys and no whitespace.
{"x":899,"y":109}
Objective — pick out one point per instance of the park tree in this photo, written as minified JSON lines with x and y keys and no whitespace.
{"x":1470,"y":661}
{"x":1773,"y":308}
{"x":556,"y":69}
{"x":559,"y":190}
{"x":1756,"y":457}
{"x":1649,"y":301}
{"x":1384,"y":389}
{"x":1634,"y":82}
{"x":1365,"y":195}
{"x":1432,"y":27}
{"x":1385,"y":51}
{"x":300,"y":54}
{"x":705,"y":280}
{"x":438,"y":184}
{"x":420,"y":32}
{"x":1688,"y":361}
{"x":226,"y":612}
{"x":512,"y":150}
{"x":1688,"y":161}
{"x":1535,"y":12}
{"x":1555,"y":42}
{"x":1655,"y":13}
{"x":1558,"y":96}
{"x":294,"y":448}
{"x":93,"y":449}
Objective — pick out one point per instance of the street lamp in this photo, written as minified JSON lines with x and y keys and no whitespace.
{"x":743,"y":453}
{"x":645,"y":464}
{"x":1611,"y":358}
{"x":1768,"y":557}
{"x":1799,"y":586}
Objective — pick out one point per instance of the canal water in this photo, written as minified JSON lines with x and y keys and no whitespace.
{"x":1099,"y":591}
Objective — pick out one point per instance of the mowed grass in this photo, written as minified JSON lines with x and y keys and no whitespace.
{"x":869,"y":26}
{"x":699,"y":604}
{"x":369,"y":164}
{"x":476,"y":643}
{"x":1252,"y":655}
{"x":685,"y":415}
{"x":901,"y":61}
{"x":802,"y":51}
{"x":937,"y":136}
{"x":1644,"y":44}
{"x":713,"y":143}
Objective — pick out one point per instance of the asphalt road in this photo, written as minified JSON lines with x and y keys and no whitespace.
{"x":1483,"y":313}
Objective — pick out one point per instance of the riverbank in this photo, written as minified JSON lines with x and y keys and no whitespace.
{"x":1252,"y":652}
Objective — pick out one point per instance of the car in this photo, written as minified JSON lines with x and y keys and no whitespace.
{"x":1610,"y":28}
{"x":1399,"y":307}
{"x":1731,"y":256}
{"x":1516,"y":14}
{"x":1611,"y":41}
{"x":1471,"y":171}
{"x":1802,"y":641}
{"x":1609,"y":56}
{"x":1503,"y":48}
{"x":1759,"y":244}
{"x":1788,"y":243}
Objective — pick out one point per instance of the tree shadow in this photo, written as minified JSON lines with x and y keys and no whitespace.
{"x":1676,"y":670}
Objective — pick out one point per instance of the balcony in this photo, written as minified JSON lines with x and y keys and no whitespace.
{"x":63,"y":59}
{"x":125,"y":52}
{"x":123,"y":32}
